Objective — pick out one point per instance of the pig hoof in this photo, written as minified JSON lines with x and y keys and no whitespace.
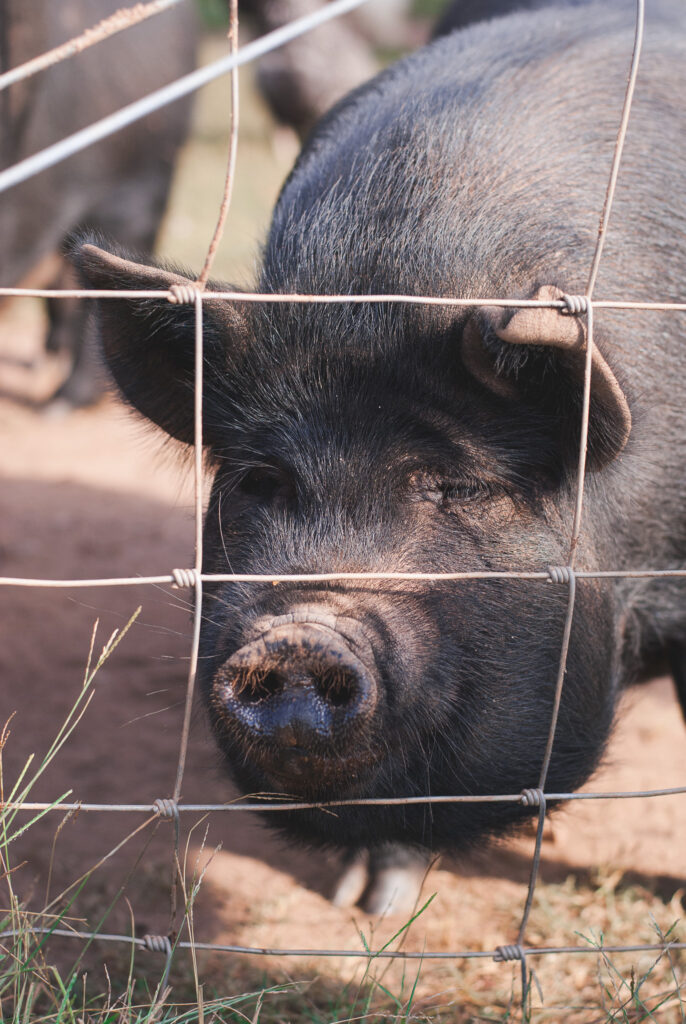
{"x":387,"y":880}
{"x":56,"y":409}
{"x":353,"y":882}
{"x":393,"y":890}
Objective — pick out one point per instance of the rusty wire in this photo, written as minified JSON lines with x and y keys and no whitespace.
{"x":255,"y":805}
{"x":319,"y":299}
{"x":157,"y":944}
{"x":619,"y":148}
{"x":568,"y":575}
{"x":543,"y":575}
{"x":233,"y":148}
{"x":581,"y":305}
{"x":197,"y":611}
{"x":125,"y":17}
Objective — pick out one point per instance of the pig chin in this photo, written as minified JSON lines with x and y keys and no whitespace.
{"x":307,"y":776}
{"x":296,"y":706}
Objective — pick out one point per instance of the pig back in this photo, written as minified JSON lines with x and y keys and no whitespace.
{"x":478,"y":167}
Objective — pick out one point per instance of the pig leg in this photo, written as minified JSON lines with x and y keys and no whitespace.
{"x":396,"y":876}
{"x":353,"y":881}
{"x":69,"y":332}
{"x":385,"y":880}
{"x":677,"y":661}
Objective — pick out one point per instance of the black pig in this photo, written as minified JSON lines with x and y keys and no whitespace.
{"x":406,"y":437}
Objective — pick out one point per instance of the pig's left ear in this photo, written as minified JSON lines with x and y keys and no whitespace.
{"x":551,"y":371}
{"x":149,"y":344}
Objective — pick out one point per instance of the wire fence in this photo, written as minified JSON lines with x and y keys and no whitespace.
{"x":196,"y":294}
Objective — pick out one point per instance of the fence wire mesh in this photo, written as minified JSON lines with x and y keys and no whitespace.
{"x":196,"y":294}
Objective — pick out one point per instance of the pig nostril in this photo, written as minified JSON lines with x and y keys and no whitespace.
{"x":297,"y":684}
{"x":251,"y":687}
{"x":338,"y":686}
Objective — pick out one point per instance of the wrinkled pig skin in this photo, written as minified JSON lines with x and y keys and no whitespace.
{"x":376,"y":438}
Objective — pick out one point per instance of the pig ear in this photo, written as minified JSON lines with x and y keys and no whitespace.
{"x":512,"y":373}
{"x":149,"y":344}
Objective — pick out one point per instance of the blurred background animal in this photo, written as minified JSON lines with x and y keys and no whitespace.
{"x":119,"y":185}
{"x":302,"y":80}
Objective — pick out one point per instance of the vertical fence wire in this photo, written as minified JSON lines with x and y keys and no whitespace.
{"x":197,"y":606}
{"x":586,"y":308}
{"x":233,"y":150}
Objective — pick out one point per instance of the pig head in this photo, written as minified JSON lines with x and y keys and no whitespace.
{"x":333,"y":455}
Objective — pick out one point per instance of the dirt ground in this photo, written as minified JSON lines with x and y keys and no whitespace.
{"x":95,"y":494}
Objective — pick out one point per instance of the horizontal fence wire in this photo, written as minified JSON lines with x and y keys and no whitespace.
{"x":319,"y":300}
{"x":286,"y":805}
{"x":500,"y":953}
{"x":569,"y":575}
{"x":332,"y":577}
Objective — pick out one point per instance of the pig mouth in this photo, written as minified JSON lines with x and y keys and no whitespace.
{"x":296,"y":705}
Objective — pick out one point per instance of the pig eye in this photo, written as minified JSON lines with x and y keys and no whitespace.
{"x":266,"y":483}
{"x":464,"y":492}
{"x":448,"y":493}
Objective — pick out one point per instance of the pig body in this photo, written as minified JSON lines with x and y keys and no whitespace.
{"x":377,"y":438}
{"x":118,"y":186}
{"x":462,"y":13}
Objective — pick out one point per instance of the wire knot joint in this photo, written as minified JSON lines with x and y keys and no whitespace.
{"x":184,"y":578}
{"x":505,"y":953}
{"x":166,"y":808}
{"x":574,"y":305}
{"x":532,"y":798}
{"x":158,"y":944}
{"x":183,"y":294}
{"x":560,"y":574}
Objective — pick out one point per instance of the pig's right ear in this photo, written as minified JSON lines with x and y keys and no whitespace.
{"x":539,"y":354}
{"x":149,"y":344}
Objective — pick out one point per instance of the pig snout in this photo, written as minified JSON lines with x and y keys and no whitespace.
{"x":301,"y":696}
